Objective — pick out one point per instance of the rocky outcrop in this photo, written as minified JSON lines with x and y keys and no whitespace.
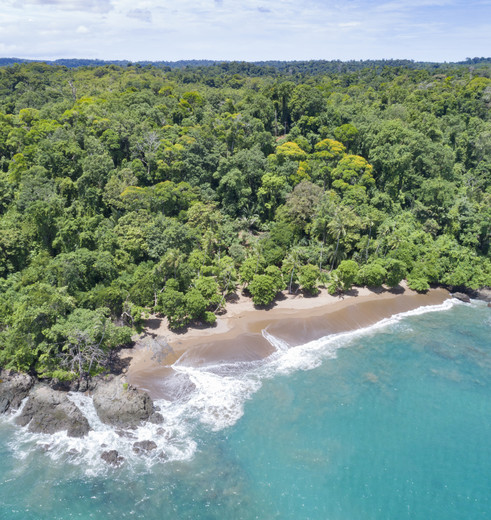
{"x":143,"y":447}
{"x":50,"y":411}
{"x":156,"y":418}
{"x":483,"y":294}
{"x":13,"y":389}
{"x":462,"y":297}
{"x":120,"y":404}
{"x":112,"y":457}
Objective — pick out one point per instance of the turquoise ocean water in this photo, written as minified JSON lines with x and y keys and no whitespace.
{"x":394,"y":425}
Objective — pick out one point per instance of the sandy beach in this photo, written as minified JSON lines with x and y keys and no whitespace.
{"x":237,"y":336}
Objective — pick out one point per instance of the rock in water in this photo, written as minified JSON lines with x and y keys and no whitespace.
{"x":13,"y":388}
{"x":484,"y":294}
{"x":112,"y":457}
{"x":50,"y":411}
{"x":156,"y":418}
{"x":143,"y":447}
{"x":462,"y":297}
{"x":120,"y":404}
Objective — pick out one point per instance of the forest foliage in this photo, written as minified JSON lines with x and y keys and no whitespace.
{"x":138,"y":189}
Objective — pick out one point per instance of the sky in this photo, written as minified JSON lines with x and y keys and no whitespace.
{"x":251,"y":30}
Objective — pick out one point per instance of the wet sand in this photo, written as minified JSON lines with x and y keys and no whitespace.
{"x":238,"y":337}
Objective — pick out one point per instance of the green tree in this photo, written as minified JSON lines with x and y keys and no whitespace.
{"x":84,"y":340}
{"x":396,"y":271}
{"x":347,"y":273}
{"x":372,"y":274}
{"x":249,"y":268}
{"x":195,"y":304}
{"x":263,"y":289}
{"x":275,"y":273}
{"x":309,"y":275}
{"x":172,"y":303}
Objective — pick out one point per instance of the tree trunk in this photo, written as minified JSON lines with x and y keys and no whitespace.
{"x":291,"y":281}
{"x":74,"y":90}
{"x":335,"y":252}
{"x":368,"y":245}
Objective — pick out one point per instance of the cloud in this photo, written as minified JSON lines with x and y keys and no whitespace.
{"x":245,"y":29}
{"x":349,"y":24}
{"x":95,"y":6}
{"x":7,"y":50}
{"x":140,"y":14}
{"x":404,"y":5}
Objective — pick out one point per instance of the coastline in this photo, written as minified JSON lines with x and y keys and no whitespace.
{"x":237,"y":336}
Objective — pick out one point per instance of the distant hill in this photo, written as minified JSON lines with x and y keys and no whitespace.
{"x":258,"y":67}
{"x":73,"y":63}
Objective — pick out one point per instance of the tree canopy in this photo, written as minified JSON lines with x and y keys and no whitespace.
{"x":128,"y":189}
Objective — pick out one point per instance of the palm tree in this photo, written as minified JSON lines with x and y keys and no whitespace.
{"x":335,"y":255}
{"x":171,"y":260}
{"x":338,"y":228}
{"x":291,"y":262}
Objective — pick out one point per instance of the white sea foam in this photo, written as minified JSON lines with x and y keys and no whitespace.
{"x":219,"y":398}
{"x":171,"y":437}
{"x":217,"y":402}
{"x":310,"y":355}
{"x":277,"y":343}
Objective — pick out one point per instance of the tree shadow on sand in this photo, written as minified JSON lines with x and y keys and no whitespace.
{"x":398,"y":289}
{"x":376,"y":289}
{"x":351,"y":292}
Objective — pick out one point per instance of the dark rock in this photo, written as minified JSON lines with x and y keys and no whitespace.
{"x":13,"y":389}
{"x":156,"y":418}
{"x":77,"y":385}
{"x":112,"y":457}
{"x":489,"y":304}
{"x":120,"y":404}
{"x":462,"y":297}
{"x":125,"y":434}
{"x":484,"y":294}
{"x":50,"y":411}
{"x":63,"y":386}
{"x":143,"y":447}
{"x":83,"y":385}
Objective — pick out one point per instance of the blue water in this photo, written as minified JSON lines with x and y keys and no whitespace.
{"x":395,"y":425}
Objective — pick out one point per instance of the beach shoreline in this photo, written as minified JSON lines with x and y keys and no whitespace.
{"x":237,"y":336}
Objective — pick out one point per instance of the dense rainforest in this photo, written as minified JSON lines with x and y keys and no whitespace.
{"x":128,"y":190}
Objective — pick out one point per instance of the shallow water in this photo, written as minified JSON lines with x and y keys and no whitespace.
{"x":396,"y":425}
